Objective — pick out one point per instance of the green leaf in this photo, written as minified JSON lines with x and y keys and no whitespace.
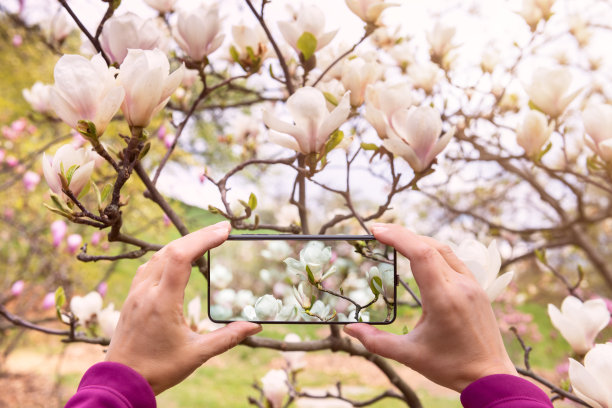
{"x":105,"y":192}
{"x":70,"y":173}
{"x":252,"y":201}
{"x":256,"y":221}
{"x":144,"y":150}
{"x":85,"y":190}
{"x":60,"y":299}
{"x":405,"y":330}
{"x":234,"y":54}
{"x":59,"y":212}
{"x":334,"y":140}
{"x":368,"y":146}
{"x":98,"y":196}
{"x":307,"y":44}
{"x":541,"y":255}
{"x":214,"y":210}
{"x":88,"y":129}
{"x":311,"y":278}
{"x":533,"y":106}
{"x":330,"y":98}
{"x":543,"y":152}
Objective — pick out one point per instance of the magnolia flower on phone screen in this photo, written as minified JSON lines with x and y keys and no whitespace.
{"x":311,"y":266}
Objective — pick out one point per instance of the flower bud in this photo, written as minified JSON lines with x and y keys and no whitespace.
{"x":85,"y":308}
{"x":48,"y":301}
{"x":58,"y":231}
{"x":73,"y":243}
{"x":129,"y":31}
{"x":368,"y":10}
{"x":304,"y":294}
{"x":39,"y":97}
{"x":357,"y":74}
{"x":198,"y":31}
{"x":64,"y":159}
{"x":533,"y":133}
{"x":30,"y":180}
{"x":275,"y":388}
{"x":17,"y":288}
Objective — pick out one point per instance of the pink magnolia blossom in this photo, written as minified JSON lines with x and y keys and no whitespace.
{"x":313,"y":122}
{"x":17,"y":288}
{"x":39,"y":97}
{"x":17,"y":40}
{"x":48,"y":301}
{"x":310,"y":19}
{"x":58,"y":232}
{"x":12,"y":161}
{"x":382,"y":101}
{"x":145,"y":76}
{"x":102,"y":288}
{"x":198,"y":31}
{"x":95,"y":238}
{"x":73,"y":243}
{"x":85,"y":90}
{"x":30,"y":180}
{"x":357,"y":74}
{"x":129,"y":31}
{"x":66,"y":157}
{"x":2,"y":155}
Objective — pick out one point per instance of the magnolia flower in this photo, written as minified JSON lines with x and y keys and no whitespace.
{"x":333,"y":91}
{"x":17,"y":288}
{"x":57,"y":27}
{"x":304,"y":294}
{"x":39,"y":97}
{"x":145,"y":76}
{"x":490,"y":59}
{"x":197,"y":31}
{"x":382,"y":101}
{"x":534,"y":132}
{"x":30,"y":180}
{"x":440,"y":40}
{"x":368,"y":10}
{"x":579,"y":323}
{"x":220,"y":276}
{"x":48,"y":301}
{"x":163,"y":6}
{"x":322,"y":311}
{"x":598,"y":126}
{"x":593,"y":381}
{"x":381,"y":279}
{"x":424,"y":76}
{"x":313,"y":122}
{"x":73,"y":242}
{"x":294,"y":359}
{"x":310,"y":19}
{"x":266,"y":308}
{"x":85,"y":90}
{"x":484,"y":263}
{"x":194,"y":307}
{"x":254,"y":38}
{"x":108,"y":319}
{"x":65,"y":158}
{"x":275,"y":387}
{"x":549,"y":90}
{"x":414,"y":134}
{"x":357,"y":74}
{"x":102,"y":288}
{"x":313,"y":258}
{"x":129,"y":31}
{"x":531,"y":13}
{"x":58,"y":231}
{"x":276,"y":250}
{"x":85,"y":308}
{"x":403,"y":54}
{"x":545,"y":7}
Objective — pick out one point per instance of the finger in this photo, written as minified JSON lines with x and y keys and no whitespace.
{"x":428,"y":266}
{"x":379,"y":342}
{"x":448,"y":254}
{"x":176,"y":257}
{"x":225,"y":338}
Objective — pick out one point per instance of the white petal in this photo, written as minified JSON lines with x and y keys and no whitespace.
{"x":586,"y":385}
{"x":285,"y":140}
{"x":80,"y":177}
{"x":51,"y":176}
{"x":499,"y":285}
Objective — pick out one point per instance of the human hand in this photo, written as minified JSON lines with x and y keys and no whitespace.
{"x":152,"y":336}
{"x":457,"y":340}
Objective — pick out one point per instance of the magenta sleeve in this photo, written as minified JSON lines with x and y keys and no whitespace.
{"x":504,"y":391}
{"x":112,"y":385}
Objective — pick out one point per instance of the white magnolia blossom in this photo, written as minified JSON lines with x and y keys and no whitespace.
{"x":194,"y":308}
{"x":276,"y":250}
{"x":440,"y":40}
{"x":66,"y":157}
{"x":254,"y":38}
{"x":129,"y":31}
{"x":579,"y":323}
{"x":304,"y":294}
{"x":313,"y":123}
{"x":163,"y":6}
{"x":357,"y":74}
{"x":85,"y":90}
{"x":145,"y":76}
{"x":414,"y":134}
{"x":424,"y":75}
{"x":382,"y":101}
{"x":310,"y":19}
{"x":86,"y":308}
{"x":593,"y":381}
{"x":381,"y":279}
{"x":220,"y":276}
{"x":534,"y":132}
{"x":549,"y":90}
{"x":598,"y":126}
{"x":484,"y":263}
{"x":108,"y":319}
{"x":39,"y":97}
{"x":322,"y":311}
{"x":267,"y":307}
{"x":314,"y":257}
{"x":403,"y":54}
{"x":295,"y":359}
{"x":57,"y":27}
{"x":531,"y":13}
{"x":275,"y":387}
{"x":368,"y":10}
{"x":490,"y":59}
{"x":333,"y":91}
{"x":198,"y":31}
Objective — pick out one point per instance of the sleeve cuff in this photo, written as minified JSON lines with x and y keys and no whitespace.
{"x":503,"y":390}
{"x":123,"y":382}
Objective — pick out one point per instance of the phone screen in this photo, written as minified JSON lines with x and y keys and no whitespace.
{"x":302,"y":279}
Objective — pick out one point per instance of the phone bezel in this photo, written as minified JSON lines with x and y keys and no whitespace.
{"x":301,"y":237}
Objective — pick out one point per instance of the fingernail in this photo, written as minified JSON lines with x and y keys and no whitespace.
{"x":223,"y":224}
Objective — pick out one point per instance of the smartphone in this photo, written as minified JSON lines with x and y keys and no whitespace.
{"x":302,"y":279}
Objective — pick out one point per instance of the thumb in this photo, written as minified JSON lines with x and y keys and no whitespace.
{"x":379,"y":342}
{"x":225,"y":338}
